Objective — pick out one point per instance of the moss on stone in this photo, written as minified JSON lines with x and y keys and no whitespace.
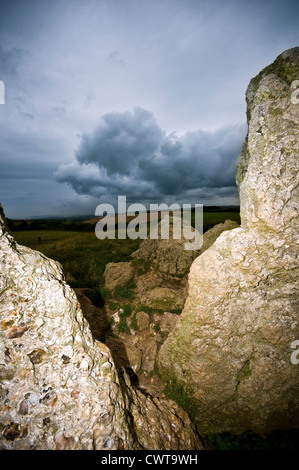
{"x":182,"y":396}
{"x":126,"y":291}
{"x":264,"y":96}
{"x":134,"y":324}
{"x":245,"y":372}
{"x":276,"y":112}
{"x":161,"y":304}
{"x":122,"y":327}
{"x":283,"y":67}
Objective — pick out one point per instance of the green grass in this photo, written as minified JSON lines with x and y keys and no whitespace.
{"x":134,"y":324}
{"x":114,"y":306}
{"x":81,"y":254}
{"x":126,"y":291}
{"x":126,"y":311}
{"x":142,"y":265}
{"x":85,"y":257}
{"x":122,"y":327}
{"x":212,"y":218}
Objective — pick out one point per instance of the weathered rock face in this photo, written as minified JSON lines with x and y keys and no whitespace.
{"x":268,"y":164}
{"x":213,"y":233}
{"x":168,"y":254}
{"x":59,"y":387}
{"x":230,"y":352}
{"x":118,"y":274}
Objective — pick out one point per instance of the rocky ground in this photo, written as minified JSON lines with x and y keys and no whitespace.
{"x":145,"y":300}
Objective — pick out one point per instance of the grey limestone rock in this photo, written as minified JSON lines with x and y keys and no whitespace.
{"x":58,"y":385}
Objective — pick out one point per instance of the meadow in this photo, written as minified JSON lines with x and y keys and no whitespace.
{"x":82,"y":255}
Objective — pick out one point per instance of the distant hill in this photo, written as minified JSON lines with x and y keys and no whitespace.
{"x":87,"y":223}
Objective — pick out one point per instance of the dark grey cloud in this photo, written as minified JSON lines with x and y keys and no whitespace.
{"x":65,"y":63}
{"x":121,"y":141}
{"x":9,"y":60}
{"x":129,"y":154}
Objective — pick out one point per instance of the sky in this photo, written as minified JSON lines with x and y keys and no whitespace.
{"x":136,"y":98}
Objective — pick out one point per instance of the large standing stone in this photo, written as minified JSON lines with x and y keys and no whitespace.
{"x":230,"y":352}
{"x":59,"y":387}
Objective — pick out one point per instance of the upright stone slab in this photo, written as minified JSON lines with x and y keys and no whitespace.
{"x":59,"y":388}
{"x":229,"y":355}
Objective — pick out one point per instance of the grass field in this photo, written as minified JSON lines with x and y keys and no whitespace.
{"x":85,"y":257}
{"x":212,"y":218}
{"x":82,"y":255}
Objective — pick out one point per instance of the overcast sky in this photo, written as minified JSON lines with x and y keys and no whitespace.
{"x":142,"y":98}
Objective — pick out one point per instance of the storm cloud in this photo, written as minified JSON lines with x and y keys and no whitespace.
{"x":129,"y":154}
{"x":168,"y":79}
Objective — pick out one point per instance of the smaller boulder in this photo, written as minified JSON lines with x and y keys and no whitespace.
{"x":143,"y":320}
{"x":168,"y":322}
{"x":118,"y":274}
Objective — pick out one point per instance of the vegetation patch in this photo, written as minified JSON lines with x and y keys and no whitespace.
{"x":142,"y":265}
{"x":134,"y":324}
{"x":276,"y":111}
{"x":125,"y":311}
{"x":114,"y":306}
{"x":152,"y":310}
{"x":283,"y":68}
{"x":245,"y":441}
{"x":126,"y":291}
{"x":122,"y":326}
{"x":181,"y":396}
